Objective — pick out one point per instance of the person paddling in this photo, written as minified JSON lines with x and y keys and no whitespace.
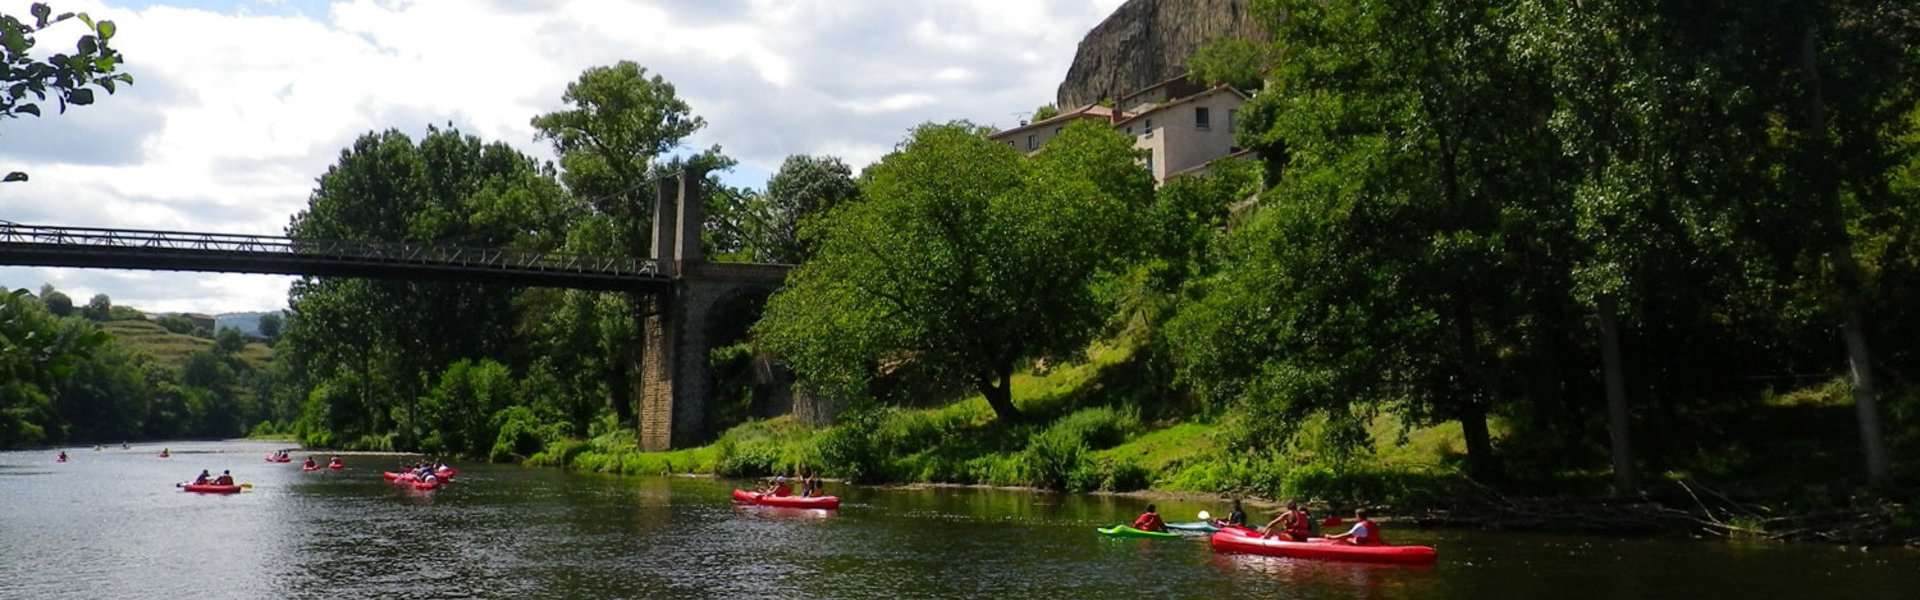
{"x":1293,"y":525}
{"x":1150,"y":520}
{"x":1235,"y":517}
{"x":202,"y":479}
{"x":63,"y":456}
{"x":779,"y":487}
{"x":1363,"y":533}
{"x":310,"y":464}
{"x":225,"y":478}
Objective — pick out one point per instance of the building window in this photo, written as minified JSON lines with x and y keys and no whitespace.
{"x":1230,"y":115}
{"x":1156,"y":175}
{"x":1129,"y":130}
{"x":1201,"y":120}
{"x":1149,"y":127}
{"x":1057,"y":130}
{"x":1031,"y":144}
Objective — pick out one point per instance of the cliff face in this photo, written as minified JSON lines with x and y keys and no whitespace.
{"x":1146,"y":42}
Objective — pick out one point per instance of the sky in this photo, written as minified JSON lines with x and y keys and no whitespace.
{"x":239,"y":105}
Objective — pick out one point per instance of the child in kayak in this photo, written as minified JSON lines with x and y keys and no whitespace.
{"x":1150,"y":521}
{"x":813,"y":485}
{"x":1293,"y":525}
{"x":779,"y":487}
{"x":1363,"y":533}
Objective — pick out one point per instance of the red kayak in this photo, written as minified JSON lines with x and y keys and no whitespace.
{"x":422,"y":485}
{"x":307,"y":468}
{"x":1236,"y":539}
{"x":208,"y":488}
{"x":392,"y":476}
{"x":281,"y":459}
{"x":336,"y":466}
{"x":825,"y":502}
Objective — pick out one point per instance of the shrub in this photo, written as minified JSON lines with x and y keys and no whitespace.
{"x":1100,"y":427}
{"x":1051,"y":459}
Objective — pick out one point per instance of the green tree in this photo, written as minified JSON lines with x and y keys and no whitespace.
{"x":57,"y":303}
{"x":965,"y":258}
{"x":1229,"y":60}
{"x":99,"y":309}
{"x":70,"y":78}
{"x":804,"y":188}
{"x":270,"y":326}
{"x":1044,"y":112}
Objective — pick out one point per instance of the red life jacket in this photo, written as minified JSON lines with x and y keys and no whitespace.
{"x":1372,"y":537}
{"x":1299,"y":525}
{"x":1150,"y":522}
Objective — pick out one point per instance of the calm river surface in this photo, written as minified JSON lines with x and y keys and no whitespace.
{"x":110,"y":524}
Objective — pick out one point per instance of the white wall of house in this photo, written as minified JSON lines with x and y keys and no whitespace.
{"x":1187,"y":133}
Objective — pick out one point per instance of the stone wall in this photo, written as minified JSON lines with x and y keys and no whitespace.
{"x":1146,"y":42}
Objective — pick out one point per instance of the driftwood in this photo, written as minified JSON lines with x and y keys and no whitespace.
{"x":1689,"y":508}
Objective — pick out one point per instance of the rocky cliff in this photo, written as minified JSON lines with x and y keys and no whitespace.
{"x":1146,"y":42}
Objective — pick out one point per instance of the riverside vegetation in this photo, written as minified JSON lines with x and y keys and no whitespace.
{"x":1515,"y":259}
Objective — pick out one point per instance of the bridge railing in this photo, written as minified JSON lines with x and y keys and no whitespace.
{"x":88,"y":237}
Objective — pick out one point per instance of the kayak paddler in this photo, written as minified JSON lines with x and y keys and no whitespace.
{"x":1293,"y":525}
{"x":1150,"y":521}
{"x":225,"y":478}
{"x":778,"y":487}
{"x":202,"y":479}
{"x":1235,"y":517}
{"x":1363,"y":533}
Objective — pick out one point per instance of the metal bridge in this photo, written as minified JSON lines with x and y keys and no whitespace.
{"x":43,"y":246}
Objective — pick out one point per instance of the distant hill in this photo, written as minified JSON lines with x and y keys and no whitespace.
{"x":173,"y":348}
{"x":247,"y":322}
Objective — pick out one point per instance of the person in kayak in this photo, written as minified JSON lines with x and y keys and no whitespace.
{"x":778,"y":487}
{"x":1363,"y":533}
{"x":202,"y":479}
{"x":1150,"y":521}
{"x":310,"y":464}
{"x":335,"y":462}
{"x":814,"y":490}
{"x":63,"y":456}
{"x":225,"y":478}
{"x":1293,"y":525}
{"x":165,"y":453}
{"x":1235,"y":517}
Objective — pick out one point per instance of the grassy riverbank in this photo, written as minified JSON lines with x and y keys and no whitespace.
{"x":1086,"y":432}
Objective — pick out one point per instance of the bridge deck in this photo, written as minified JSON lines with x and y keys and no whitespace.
{"x":30,"y":245}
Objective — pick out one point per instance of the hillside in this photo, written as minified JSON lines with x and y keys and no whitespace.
{"x":172,"y":348}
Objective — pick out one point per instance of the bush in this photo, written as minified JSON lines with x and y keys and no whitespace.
{"x":1052,"y":459}
{"x":1125,"y":476}
{"x":1100,"y":427}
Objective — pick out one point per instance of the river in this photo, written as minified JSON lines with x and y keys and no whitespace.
{"x":110,"y":524}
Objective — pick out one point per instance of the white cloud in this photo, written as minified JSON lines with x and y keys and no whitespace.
{"x":234,"y":114}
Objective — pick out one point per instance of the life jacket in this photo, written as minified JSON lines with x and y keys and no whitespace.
{"x":1300,"y":525}
{"x":1150,"y":522}
{"x":1372,"y":537}
{"x":783,"y":490}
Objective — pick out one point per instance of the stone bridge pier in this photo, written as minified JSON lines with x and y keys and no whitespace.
{"x":679,"y":324}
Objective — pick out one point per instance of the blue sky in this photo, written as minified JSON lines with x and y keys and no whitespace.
{"x":240,"y":104}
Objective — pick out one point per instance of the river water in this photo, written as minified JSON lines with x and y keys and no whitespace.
{"x":110,"y":524}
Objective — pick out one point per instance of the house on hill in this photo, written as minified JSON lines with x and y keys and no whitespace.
{"x":1185,"y":129}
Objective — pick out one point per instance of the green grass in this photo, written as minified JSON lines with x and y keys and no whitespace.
{"x":164,"y":346}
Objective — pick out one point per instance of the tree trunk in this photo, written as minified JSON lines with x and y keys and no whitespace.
{"x":1473,"y":426}
{"x":1000,"y":396}
{"x":1625,"y":481}
{"x":1846,"y":272}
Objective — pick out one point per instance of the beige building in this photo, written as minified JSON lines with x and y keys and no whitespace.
{"x":1181,"y":134}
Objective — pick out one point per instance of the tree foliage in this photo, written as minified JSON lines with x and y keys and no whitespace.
{"x":964,"y":258}
{"x":70,"y":78}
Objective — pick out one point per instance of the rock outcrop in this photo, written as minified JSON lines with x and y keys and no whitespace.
{"x":1149,"y":41}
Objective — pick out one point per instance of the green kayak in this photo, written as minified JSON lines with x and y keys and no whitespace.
{"x":1125,"y":531}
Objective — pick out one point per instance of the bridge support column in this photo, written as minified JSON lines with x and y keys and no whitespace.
{"x":673,"y":370}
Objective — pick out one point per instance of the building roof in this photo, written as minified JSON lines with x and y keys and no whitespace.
{"x":1084,"y":112}
{"x":1174,"y":85}
{"x":1215,"y":90}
